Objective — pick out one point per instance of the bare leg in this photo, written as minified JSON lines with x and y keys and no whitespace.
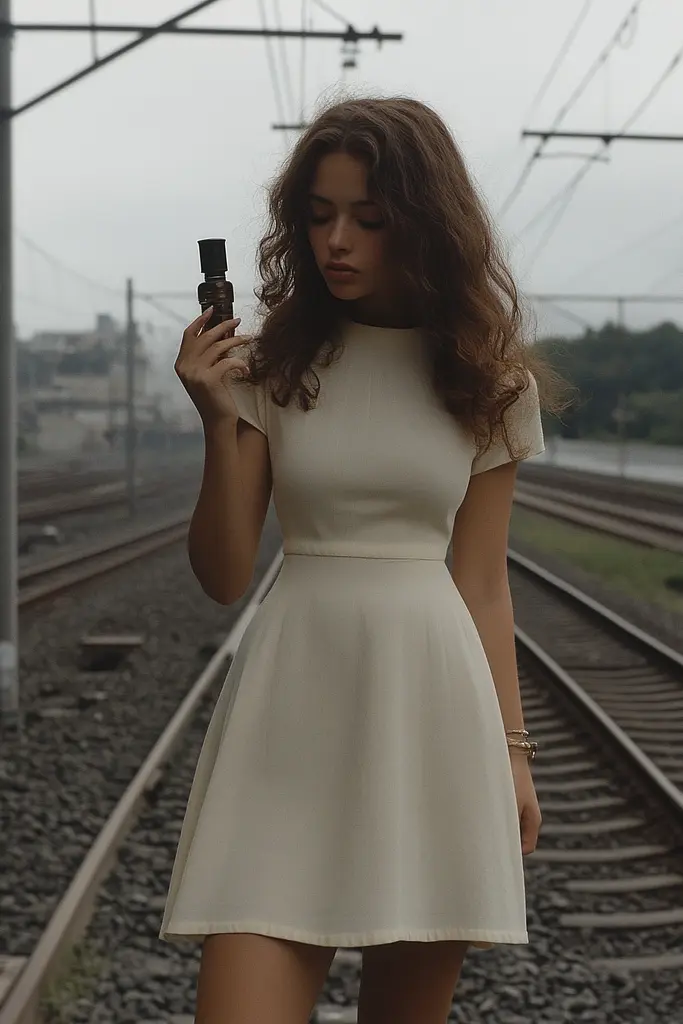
{"x":409,"y":982}
{"x":255,"y":979}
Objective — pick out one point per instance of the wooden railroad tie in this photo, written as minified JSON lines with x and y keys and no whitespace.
{"x":104,"y":653}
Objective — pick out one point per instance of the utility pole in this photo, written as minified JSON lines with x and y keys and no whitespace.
{"x":621,"y":412}
{"x":131,"y":426}
{"x":9,"y":622}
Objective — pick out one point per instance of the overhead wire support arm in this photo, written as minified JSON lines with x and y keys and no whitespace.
{"x":605,"y":137}
{"x":145,"y":34}
{"x":594,"y":297}
{"x":350,"y":34}
{"x":172,"y":27}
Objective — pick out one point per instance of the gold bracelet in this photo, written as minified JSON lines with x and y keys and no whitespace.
{"x":528,"y":746}
{"x":516,"y":732}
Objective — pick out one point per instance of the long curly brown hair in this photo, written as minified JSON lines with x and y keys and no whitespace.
{"x":460,"y":287}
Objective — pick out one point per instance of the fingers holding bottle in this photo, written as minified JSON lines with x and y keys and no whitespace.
{"x":205,"y":366}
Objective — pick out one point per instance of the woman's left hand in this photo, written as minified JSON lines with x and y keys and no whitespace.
{"x":528,"y":811}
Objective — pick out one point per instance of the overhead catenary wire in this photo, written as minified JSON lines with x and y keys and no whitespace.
{"x":647,"y":236}
{"x":664,"y":278}
{"x":574,"y":97}
{"x":560,"y":56}
{"x":161,"y":308}
{"x":566,"y":194}
{"x":60,"y":265}
{"x":272,"y":67}
{"x":656,"y":88}
{"x":567,"y":314}
{"x":286,"y":76}
{"x":119,"y":293}
{"x":331,"y":11}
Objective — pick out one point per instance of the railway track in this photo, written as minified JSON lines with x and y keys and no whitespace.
{"x":605,"y":702}
{"x":73,"y":474}
{"x":51,"y":577}
{"x":49,"y":494}
{"x":642,"y":494}
{"x":94,"y":496}
{"x":610,"y":775}
{"x":645,"y":514}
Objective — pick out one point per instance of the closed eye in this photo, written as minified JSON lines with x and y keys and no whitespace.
{"x":369,"y":225}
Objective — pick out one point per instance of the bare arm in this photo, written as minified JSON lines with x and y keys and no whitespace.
{"x":228,"y":519}
{"x":479,"y":570}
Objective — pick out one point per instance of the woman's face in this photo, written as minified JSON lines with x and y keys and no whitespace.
{"x":346,"y":231}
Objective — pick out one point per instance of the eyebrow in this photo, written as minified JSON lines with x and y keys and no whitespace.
{"x":328,"y":202}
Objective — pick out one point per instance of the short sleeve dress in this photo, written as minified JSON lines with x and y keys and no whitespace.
{"x":354,"y":786}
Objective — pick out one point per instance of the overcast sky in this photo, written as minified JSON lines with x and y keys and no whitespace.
{"x":120,"y":174}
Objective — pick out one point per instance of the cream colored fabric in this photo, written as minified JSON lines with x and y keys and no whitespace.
{"x":354,"y":786}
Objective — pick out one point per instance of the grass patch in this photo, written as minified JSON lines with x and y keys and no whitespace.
{"x":637,"y":570}
{"x":77,"y":981}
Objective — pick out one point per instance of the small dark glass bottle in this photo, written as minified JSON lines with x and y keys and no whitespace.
{"x":215,"y":290}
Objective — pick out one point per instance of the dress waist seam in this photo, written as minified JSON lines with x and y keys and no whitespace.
{"x":387,"y":554}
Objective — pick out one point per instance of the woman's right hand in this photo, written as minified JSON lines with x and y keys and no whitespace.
{"x":203,"y":364}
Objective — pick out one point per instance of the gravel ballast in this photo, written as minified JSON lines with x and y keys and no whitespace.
{"x":86,"y":733}
{"x":554,"y":979}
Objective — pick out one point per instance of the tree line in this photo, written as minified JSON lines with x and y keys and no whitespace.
{"x":622,"y":383}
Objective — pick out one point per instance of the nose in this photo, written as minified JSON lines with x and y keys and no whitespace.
{"x":340,"y":239}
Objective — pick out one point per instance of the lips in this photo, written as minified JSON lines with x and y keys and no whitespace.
{"x":340,"y":268}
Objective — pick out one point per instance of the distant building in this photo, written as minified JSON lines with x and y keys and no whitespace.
{"x":72,"y":389}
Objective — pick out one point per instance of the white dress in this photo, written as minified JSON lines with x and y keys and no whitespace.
{"x":354,"y":786}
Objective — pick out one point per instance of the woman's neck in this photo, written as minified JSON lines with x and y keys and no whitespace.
{"x":376,"y":312}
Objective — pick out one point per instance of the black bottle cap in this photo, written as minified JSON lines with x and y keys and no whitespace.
{"x":212,"y":256}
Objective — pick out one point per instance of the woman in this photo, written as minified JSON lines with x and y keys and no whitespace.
{"x":365,"y":778}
